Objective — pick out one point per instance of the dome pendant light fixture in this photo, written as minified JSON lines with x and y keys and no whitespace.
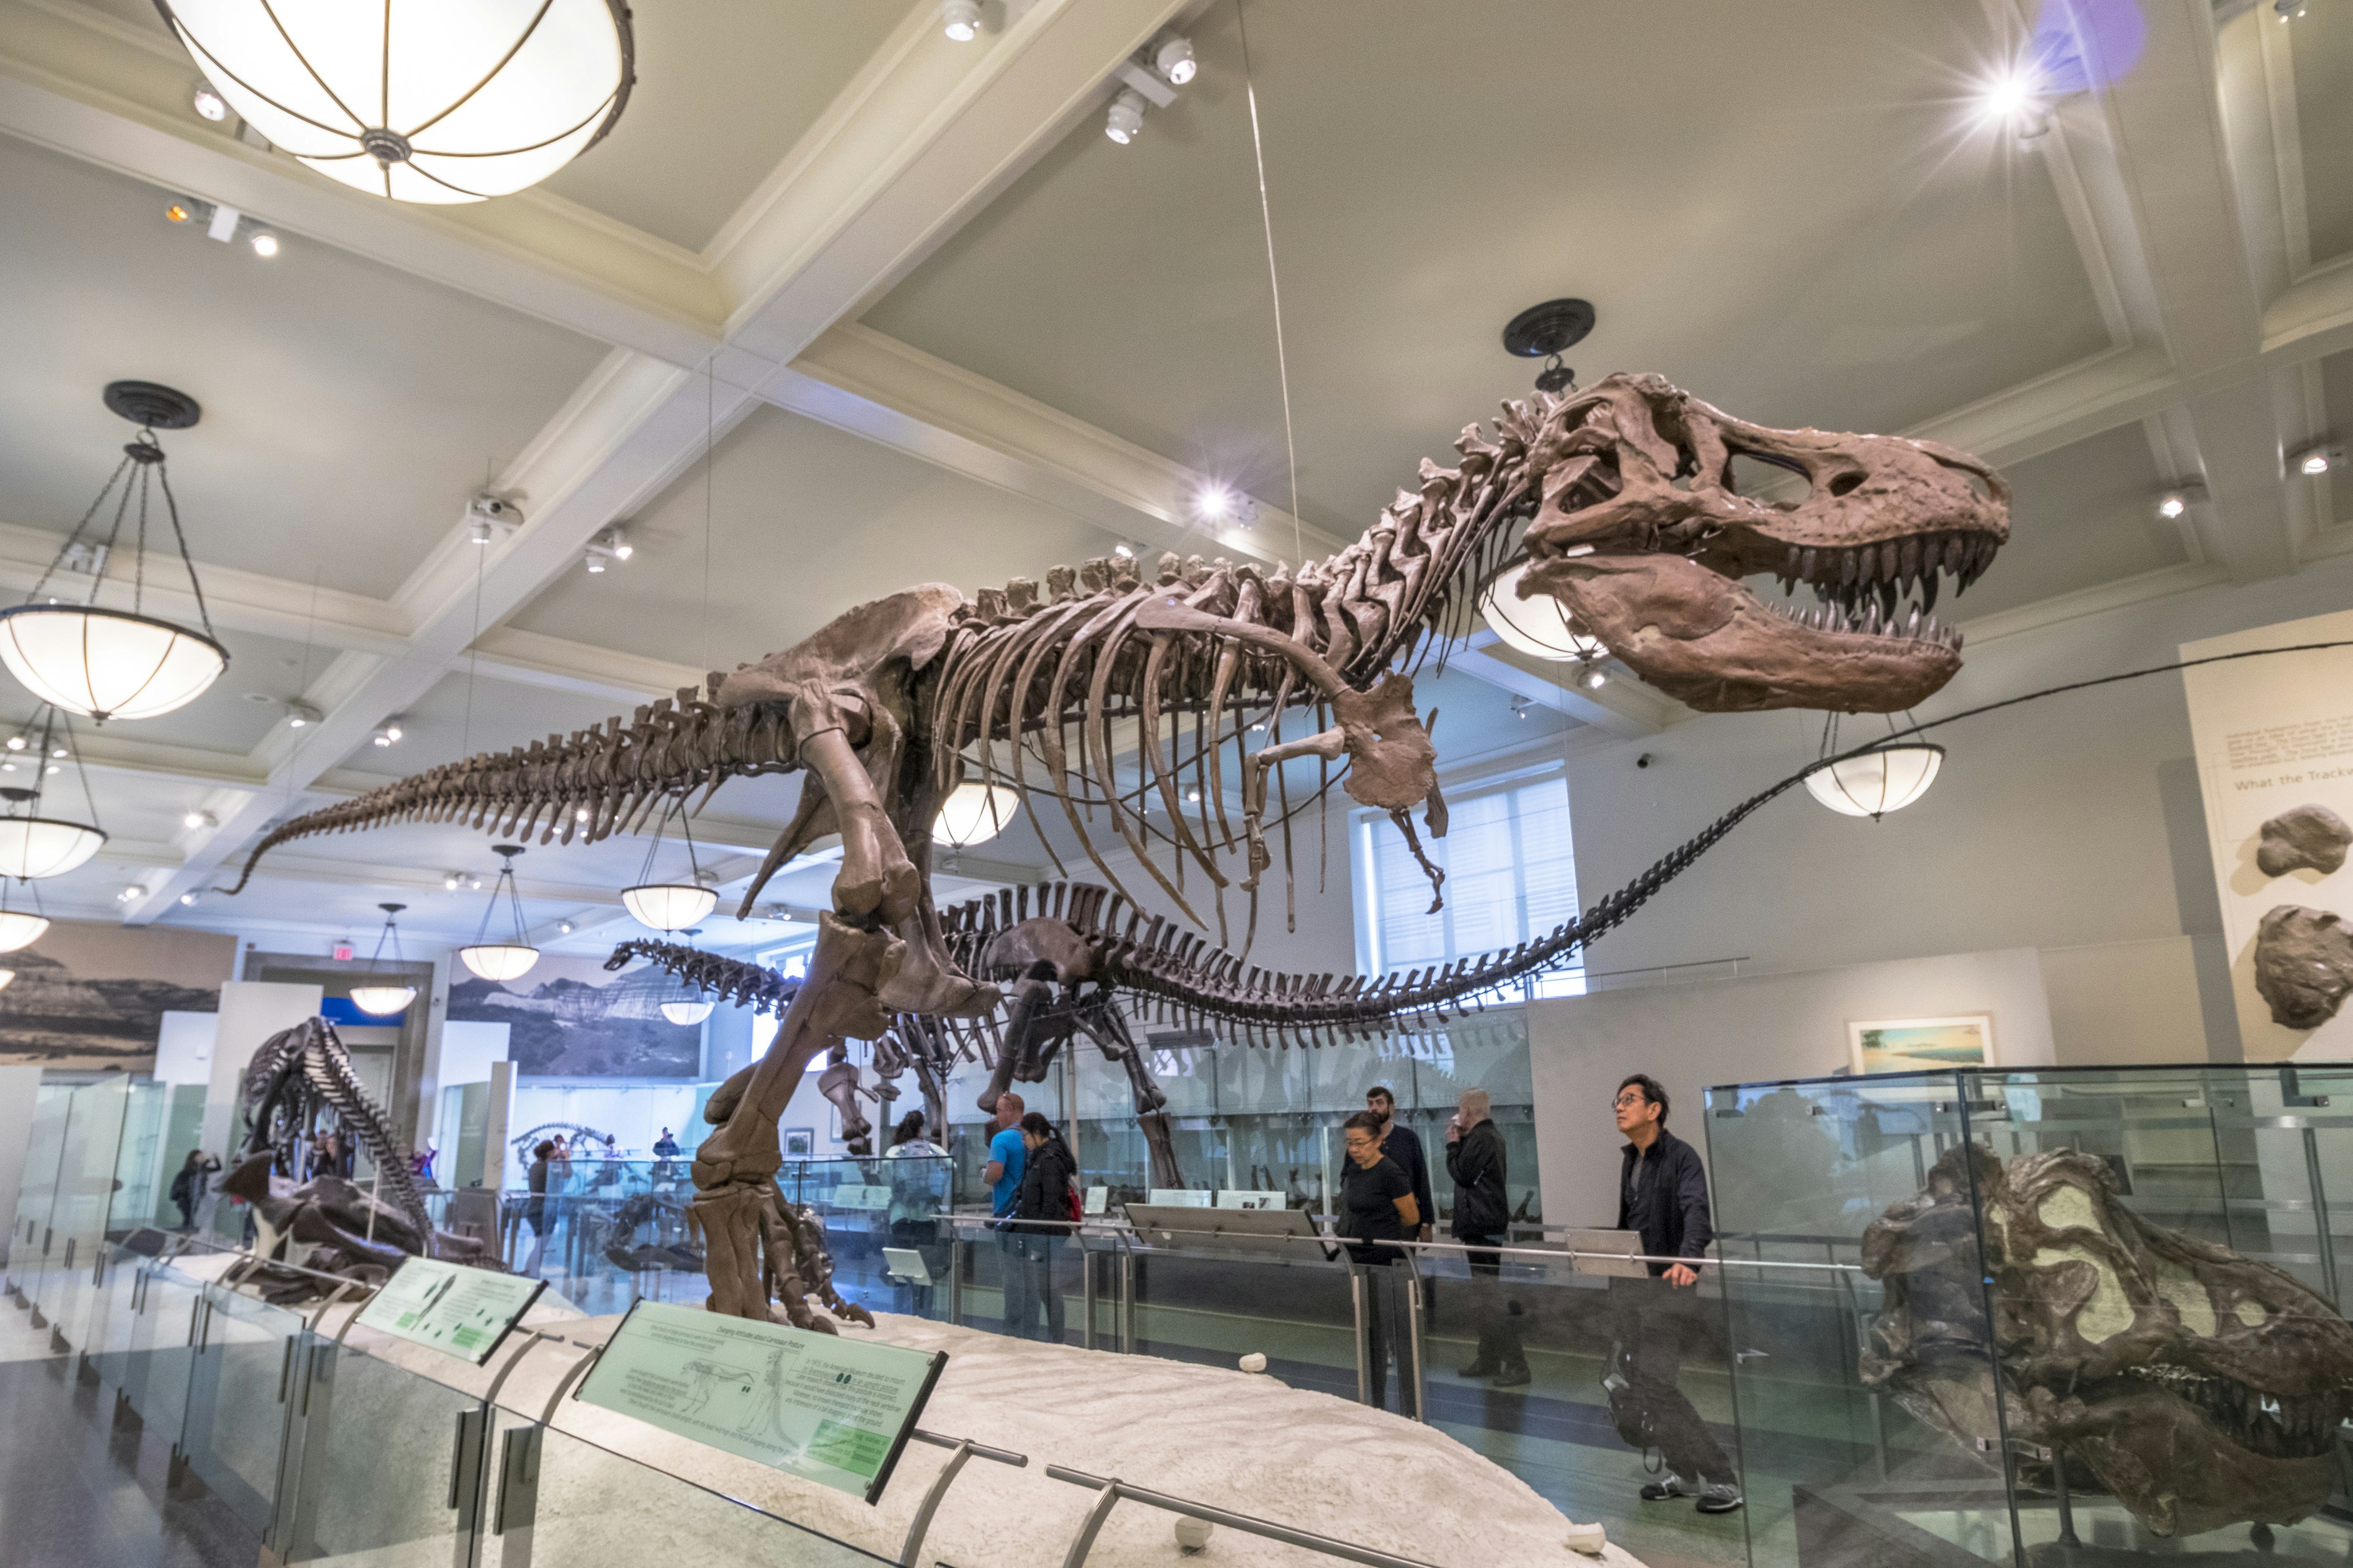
{"x":419,"y":100}
{"x":17,"y":928}
{"x":501,"y":960}
{"x":106,"y":663}
{"x":1874,"y":783}
{"x":670,"y":906}
{"x":974,"y":811}
{"x":33,"y":845}
{"x":382,"y":1000}
{"x":1537,"y":625}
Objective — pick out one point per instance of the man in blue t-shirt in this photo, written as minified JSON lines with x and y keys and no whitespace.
{"x":1008,"y":1155}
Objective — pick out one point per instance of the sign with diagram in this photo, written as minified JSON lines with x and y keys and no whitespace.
{"x":460,"y":1312}
{"x":828,"y":1407}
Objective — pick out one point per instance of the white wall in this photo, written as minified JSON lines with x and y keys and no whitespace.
{"x":1692,"y":1036}
{"x":251,"y":1012}
{"x":183,"y":1050}
{"x":2070,"y":823}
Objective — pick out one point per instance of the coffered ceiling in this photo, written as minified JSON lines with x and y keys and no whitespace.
{"x":931,"y":324}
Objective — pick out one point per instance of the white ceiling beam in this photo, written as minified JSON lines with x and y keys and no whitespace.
{"x":1620,"y":706}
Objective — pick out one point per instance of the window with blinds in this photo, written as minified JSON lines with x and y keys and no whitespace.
{"x":1511,"y":874}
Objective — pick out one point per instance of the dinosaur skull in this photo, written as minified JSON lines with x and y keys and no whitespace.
{"x":1644,"y":538}
{"x":2198,"y":1388}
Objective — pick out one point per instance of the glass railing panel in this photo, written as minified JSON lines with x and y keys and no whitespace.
{"x":44,"y":1148}
{"x":140,"y":1163}
{"x":234,"y":1433}
{"x":162,"y":1340}
{"x":77,"y":1211}
{"x":378,"y":1447}
{"x":575,"y":1503}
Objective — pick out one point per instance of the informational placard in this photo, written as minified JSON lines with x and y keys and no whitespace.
{"x":460,"y":1312}
{"x":1098,"y":1200}
{"x":2274,"y":743}
{"x":850,"y":1195}
{"x":828,"y":1407}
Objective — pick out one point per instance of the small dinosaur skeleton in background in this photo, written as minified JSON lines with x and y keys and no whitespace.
{"x":1620,"y":499}
{"x":299,"y":1087}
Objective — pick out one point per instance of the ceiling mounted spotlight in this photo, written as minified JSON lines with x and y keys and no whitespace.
{"x":501,"y":960}
{"x":487,"y":515}
{"x":209,"y":103}
{"x":2317,"y":458}
{"x":1126,"y":119}
{"x":2174,"y":503}
{"x":195,"y":820}
{"x":960,"y":19}
{"x":1547,"y":331}
{"x":417,"y":101}
{"x":2019,"y":101}
{"x":382,"y":998}
{"x":131,"y":894}
{"x":1519,"y":707}
{"x":2287,"y":10}
{"x":564,"y":928}
{"x":1125,"y":551}
{"x":189,"y":897}
{"x":301,"y":715}
{"x":114,"y":663}
{"x":387,"y":735}
{"x":1173,"y":58}
{"x":264,"y":243}
{"x":610,"y":545}
{"x":1595,"y":679}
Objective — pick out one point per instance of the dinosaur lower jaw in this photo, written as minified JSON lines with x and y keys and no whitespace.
{"x":1707,"y":641}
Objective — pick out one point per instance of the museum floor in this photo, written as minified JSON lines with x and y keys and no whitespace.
{"x":77,"y":1489}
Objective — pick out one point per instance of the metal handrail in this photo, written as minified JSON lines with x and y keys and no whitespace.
{"x":1110,"y":1490}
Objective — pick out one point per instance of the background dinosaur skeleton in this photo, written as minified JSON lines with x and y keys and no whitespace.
{"x":1622,"y":500}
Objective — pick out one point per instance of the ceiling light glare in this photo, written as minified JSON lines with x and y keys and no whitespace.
{"x":16,"y":743}
{"x":2172,"y":506}
{"x":1595,"y":680}
{"x":622,"y":548}
{"x":188,"y":898}
{"x":177,"y":213}
{"x":2315,"y":460}
{"x":418,"y":101}
{"x":1215,"y":504}
{"x":451,"y":882}
{"x":195,"y":820}
{"x":2017,"y":100}
{"x":1126,"y":117}
{"x":1173,"y":59}
{"x":209,"y":103}
{"x":301,"y":715}
{"x":960,"y":20}
{"x":596,"y":563}
{"x":1124,"y":549}
{"x":2288,"y":10}
{"x":564,"y":928}
{"x":265,"y":244}
{"x":131,"y":894}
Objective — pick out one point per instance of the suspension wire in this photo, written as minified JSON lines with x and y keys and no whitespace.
{"x":473,"y":653}
{"x":1273,"y":279}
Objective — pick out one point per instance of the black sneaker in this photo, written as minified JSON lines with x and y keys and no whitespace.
{"x":1721,"y":1497}
{"x":1668,"y":1485}
{"x":1483,"y":1367}
{"x":1512,"y":1376}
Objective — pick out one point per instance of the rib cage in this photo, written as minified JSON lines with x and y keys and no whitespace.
{"x":311,"y":1056}
{"x":1021,"y":667}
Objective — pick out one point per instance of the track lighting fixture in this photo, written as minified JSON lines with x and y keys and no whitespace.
{"x":610,"y":545}
{"x":197,"y":820}
{"x":188,"y":898}
{"x":207,"y":103}
{"x":487,"y":514}
{"x":1126,"y":117}
{"x":2174,"y":503}
{"x":960,"y":19}
{"x":388,"y":734}
{"x":2317,"y":458}
{"x":301,"y":715}
{"x":1173,"y":58}
{"x":131,"y":894}
{"x":264,"y":243}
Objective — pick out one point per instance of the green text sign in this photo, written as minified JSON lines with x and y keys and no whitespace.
{"x":463,"y":1311}
{"x":826,"y":1406}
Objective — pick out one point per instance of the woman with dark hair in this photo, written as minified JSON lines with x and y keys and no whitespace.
{"x":189,"y":1186}
{"x":919,"y":1178}
{"x":1044,"y":1206}
{"x":534,"y":1207}
{"x":1376,"y":1205}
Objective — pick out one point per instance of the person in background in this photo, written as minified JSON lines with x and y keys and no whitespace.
{"x":1474,"y":1159}
{"x":1402,"y":1144}
{"x":915,"y":1195}
{"x":1007,"y":1154}
{"x":611,"y":1150}
{"x":1376,"y":1205}
{"x":420,"y":1161}
{"x":188,"y":1185}
{"x":1043,"y":1205}
{"x":1663,"y":1197}
{"x":666,"y":1146}
{"x":534,"y":1207}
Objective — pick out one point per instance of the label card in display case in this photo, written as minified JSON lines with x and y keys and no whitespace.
{"x":460,"y":1312}
{"x":830,"y":1408}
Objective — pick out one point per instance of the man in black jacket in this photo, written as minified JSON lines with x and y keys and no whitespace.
{"x":1662,"y":1196}
{"x":1474,"y":1159}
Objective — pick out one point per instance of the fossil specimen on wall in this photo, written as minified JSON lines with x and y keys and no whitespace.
{"x":2305,"y":837}
{"x":2304,"y":964}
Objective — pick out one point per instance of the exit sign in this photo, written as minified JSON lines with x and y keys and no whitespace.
{"x":342,"y":952}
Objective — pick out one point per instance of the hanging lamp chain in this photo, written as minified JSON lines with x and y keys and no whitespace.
{"x":171,"y":509}
{"x":74,"y":538}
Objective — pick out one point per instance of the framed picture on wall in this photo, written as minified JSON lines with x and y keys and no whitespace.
{"x":800,"y":1142}
{"x":1921,"y":1045}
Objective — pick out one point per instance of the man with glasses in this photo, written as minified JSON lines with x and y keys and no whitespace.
{"x":1663,"y":1197}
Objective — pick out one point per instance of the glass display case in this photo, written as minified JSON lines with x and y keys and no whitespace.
{"x":2048,"y":1316}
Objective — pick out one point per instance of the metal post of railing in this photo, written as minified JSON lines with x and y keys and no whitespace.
{"x":1110,"y":1490}
{"x":1409,"y":1353}
{"x":1087,"y":1293}
{"x":957,"y":1262}
{"x":2320,"y":1217}
{"x":962,"y":1450}
{"x":1359,"y":1301}
{"x":1126,"y":1297}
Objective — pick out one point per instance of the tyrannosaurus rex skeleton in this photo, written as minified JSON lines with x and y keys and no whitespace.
{"x":1620,"y":499}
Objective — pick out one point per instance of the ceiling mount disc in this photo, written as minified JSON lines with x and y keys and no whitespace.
{"x":152,"y":405}
{"x":1548,"y":328}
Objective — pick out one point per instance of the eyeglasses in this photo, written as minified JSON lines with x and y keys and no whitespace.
{"x":1631,"y":1097}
